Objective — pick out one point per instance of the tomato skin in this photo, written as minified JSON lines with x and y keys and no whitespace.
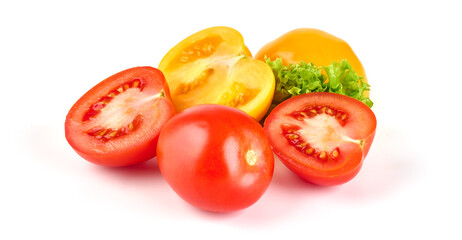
{"x":361,"y":125}
{"x":134,"y":147}
{"x":311,"y":45}
{"x":216,"y":158}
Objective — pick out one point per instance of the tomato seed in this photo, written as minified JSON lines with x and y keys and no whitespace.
{"x":201,"y":79}
{"x":312,"y":111}
{"x":101,"y":132}
{"x":108,"y":133}
{"x":301,"y":145}
{"x":103,"y":101}
{"x":113,"y":134}
{"x":295,"y":139}
{"x":335,"y":153}
{"x":292,"y":136}
{"x":309,"y":151}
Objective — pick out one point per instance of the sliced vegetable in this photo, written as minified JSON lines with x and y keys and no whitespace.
{"x":118,"y":121}
{"x":322,"y":137}
{"x":214,"y":66}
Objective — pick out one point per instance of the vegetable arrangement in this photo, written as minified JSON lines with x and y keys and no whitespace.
{"x":199,"y":112}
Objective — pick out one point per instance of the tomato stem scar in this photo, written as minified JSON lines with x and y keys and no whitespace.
{"x":251,"y":157}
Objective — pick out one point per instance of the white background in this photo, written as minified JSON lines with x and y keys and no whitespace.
{"x":52,"y":52}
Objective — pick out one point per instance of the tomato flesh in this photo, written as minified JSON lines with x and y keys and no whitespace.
{"x":322,"y":137}
{"x":213,"y":66}
{"x":118,"y":121}
{"x":216,"y":158}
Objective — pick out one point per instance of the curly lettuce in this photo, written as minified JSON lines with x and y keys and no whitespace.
{"x":301,"y":78}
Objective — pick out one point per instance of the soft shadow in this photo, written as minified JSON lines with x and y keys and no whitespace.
{"x":381,"y":177}
{"x":283,"y":199}
{"x":142,"y":171}
{"x":383,"y":173}
{"x":215,"y":215}
{"x":391,"y":165}
{"x":287,"y":181}
{"x":55,"y":152}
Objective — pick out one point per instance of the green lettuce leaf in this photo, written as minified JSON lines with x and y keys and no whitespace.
{"x":300,"y":78}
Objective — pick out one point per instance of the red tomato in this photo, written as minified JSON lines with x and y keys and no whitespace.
{"x":216,"y":158}
{"x":322,"y":137}
{"x":117,"y":122}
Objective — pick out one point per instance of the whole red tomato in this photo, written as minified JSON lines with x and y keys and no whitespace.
{"x":216,"y":158}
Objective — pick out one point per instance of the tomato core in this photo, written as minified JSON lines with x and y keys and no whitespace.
{"x":117,"y":113}
{"x":318,"y":131}
{"x":103,"y":101}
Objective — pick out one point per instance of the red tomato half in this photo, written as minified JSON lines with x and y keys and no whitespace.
{"x":215,"y":157}
{"x":117,"y":122}
{"x":322,"y":137}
